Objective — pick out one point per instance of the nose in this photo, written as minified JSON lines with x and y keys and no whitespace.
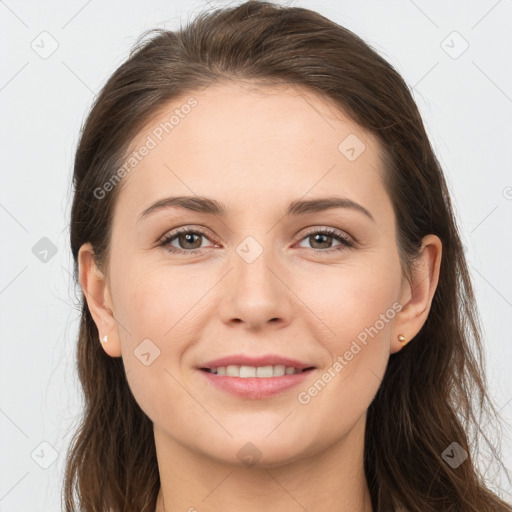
{"x":256,"y":293}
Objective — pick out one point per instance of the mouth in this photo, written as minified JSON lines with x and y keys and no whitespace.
{"x":258,"y":372}
{"x":254,"y":382}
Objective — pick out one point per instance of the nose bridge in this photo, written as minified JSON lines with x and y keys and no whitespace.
{"x":255,"y":266}
{"x":258,"y":295}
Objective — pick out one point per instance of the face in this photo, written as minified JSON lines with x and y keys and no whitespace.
{"x":320,"y":286}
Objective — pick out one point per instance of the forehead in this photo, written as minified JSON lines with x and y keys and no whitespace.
{"x":248,"y":145}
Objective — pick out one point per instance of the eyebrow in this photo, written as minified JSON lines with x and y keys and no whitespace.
{"x":211,"y":206}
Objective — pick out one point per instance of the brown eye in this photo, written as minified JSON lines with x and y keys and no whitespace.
{"x":322,"y":240}
{"x":187,"y":240}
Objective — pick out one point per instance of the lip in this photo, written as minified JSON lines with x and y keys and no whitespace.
{"x":266,"y":360}
{"x":255,"y":388}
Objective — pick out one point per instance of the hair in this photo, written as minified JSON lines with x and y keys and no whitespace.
{"x":434,"y":390}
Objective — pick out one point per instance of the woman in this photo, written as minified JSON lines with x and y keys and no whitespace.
{"x":277,"y":309}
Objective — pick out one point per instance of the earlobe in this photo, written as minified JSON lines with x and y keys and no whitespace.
{"x":417,"y":296}
{"x":95,"y":290}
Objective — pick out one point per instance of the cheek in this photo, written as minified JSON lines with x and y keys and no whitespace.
{"x":352,"y":302}
{"x":159,"y":311}
{"x":153,"y":309}
{"x":354,"y":315}
{"x":155,"y":302}
{"x":359,"y":352}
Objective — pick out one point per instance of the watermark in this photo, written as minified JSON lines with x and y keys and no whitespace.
{"x":507,"y":193}
{"x":151,"y":142}
{"x":351,"y":147}
{"x":146,"y":352}
{"x":304,"y":397}
{"x":44,"y":249}
{"x":454,"y":455}
{"x":44,"y":455}
{"x":249,"y":454}
{"x":45,"y":45}
{"x":454,"y":44}
{"x":249,"y":249}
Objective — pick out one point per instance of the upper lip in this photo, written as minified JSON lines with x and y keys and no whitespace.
{"x":267,"y":360}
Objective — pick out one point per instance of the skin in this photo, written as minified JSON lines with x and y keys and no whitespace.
{"x":257,"y":150}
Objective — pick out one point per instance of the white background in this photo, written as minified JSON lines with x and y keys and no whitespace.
{"x":466,"y":103}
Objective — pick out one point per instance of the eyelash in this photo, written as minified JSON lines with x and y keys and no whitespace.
{"x":165,"y":242}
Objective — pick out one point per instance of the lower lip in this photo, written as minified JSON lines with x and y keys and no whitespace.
{"x":254,"y":387}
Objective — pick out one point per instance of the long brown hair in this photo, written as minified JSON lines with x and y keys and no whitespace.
{"x":434,"y":390}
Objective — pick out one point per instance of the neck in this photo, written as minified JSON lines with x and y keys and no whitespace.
{"x":331,"y":480}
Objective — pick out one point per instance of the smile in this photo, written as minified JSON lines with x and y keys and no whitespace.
{"x":253,"y":382}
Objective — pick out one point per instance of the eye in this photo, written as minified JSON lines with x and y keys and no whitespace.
{"x":325,"y":237}
{"x":189,"y":240}
{"x":186,"y":238}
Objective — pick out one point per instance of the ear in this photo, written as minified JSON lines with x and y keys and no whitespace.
{"x":95,"y":289}
{"x":416,"y":297}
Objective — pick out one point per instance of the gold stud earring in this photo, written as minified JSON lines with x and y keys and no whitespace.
{"x":104,"y":340}
{"x":401,"y":339}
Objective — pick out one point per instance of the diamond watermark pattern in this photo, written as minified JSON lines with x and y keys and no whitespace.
{"x":45,"y":45}
{"x":44,"y":250}
{"x":454,"y":45}
{"x":351,"y":147}
{"x":454,"y":455}
{"x":249,"y":454}
{"x":249,"y":249}
{"x":44,"y":455}
{"x":146,"y":352}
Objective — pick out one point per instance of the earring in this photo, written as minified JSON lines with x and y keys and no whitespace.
{"x":401,"y":339}
{"x":104,"y":340}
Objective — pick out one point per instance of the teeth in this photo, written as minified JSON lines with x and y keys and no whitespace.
{"x":261,"y":372}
